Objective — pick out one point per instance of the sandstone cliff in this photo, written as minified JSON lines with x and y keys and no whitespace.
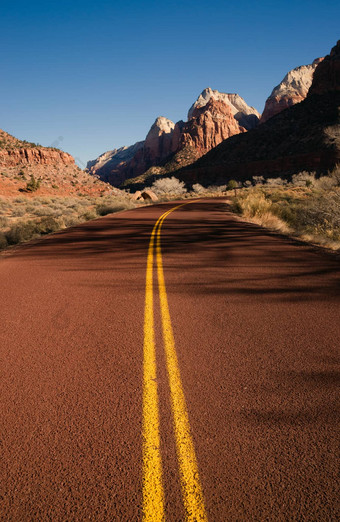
{"x":56,"y":170}
{"x":111,"y":164}
{"x":306,"y":136}
{"x":293,"y":89}
{"x":208,"y":126}
{"x":247,"y":116}
{"x":16,"y":152}
{"x":212,"y":118}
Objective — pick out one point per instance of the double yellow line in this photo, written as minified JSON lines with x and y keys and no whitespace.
{"x":153,"y":492}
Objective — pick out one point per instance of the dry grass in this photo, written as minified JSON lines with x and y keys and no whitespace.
{"x":23,"y":218}
{"x":310,"y":212}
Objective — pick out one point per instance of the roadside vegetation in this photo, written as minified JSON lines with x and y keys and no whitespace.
{"x":306,"y":207}
{"x":168,"y":189}
{"x":23,"y":218}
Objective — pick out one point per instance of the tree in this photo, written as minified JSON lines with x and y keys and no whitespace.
{"x":168,"y":186}
{"x":232,"y":184}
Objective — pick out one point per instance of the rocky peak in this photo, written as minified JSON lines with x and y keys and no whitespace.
{"x":293,"y":89}
{"x":327,"y":74}
{"x":110,"y":160}
{"x":247,"y":116}
{"x":213,"y":118}
{"x":158,"y":140}
{"x":208,"y":126}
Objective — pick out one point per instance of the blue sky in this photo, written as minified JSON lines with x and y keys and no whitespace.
{"x":97,"y":74}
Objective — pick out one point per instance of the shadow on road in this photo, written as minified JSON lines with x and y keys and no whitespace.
{"x":221,"y":254}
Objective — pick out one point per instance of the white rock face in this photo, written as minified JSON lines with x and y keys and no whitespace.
{"x":296,"y":81}
{"x":293,"y":89}
{"x":161,"y":126}
{"x":246,"y":116}
{"x":115,"y":157}
{"x":158,"y":139}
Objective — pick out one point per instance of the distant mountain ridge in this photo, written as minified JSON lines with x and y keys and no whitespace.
{"x":212,"y":118}
{"x":14,"y":152}
{"x":305,"y":136}
{"x":293,"y":89}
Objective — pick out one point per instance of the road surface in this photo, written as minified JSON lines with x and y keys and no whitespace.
{"x":177,"y":366}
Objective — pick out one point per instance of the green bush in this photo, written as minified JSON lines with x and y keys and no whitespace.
{"x":33,"y":184}
{"x":232,"y":184}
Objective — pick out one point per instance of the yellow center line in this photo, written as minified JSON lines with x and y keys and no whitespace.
{"x":153,"y":492}
{"x":191,"y":487}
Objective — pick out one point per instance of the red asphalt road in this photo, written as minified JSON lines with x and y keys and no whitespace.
{"x":256,"y":321}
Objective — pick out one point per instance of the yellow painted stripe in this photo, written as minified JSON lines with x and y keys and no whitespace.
{"x":191,"y":487}
{"x":153,"y":494}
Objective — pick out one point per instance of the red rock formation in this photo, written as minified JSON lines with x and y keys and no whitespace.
{"x":56,"y":170}
{"x":247,"y":116}
{"x":293,"y":89}
{"x":209,"y":125}
{"x":303,"y":137}
{"x":36,"y":155}
{"x":157,"y":145}
{"x":327,"y":75}
{"x":213,"y":118}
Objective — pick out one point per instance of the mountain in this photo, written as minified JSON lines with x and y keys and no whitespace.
{"x":246,"y":116}
{"x":212,"y":118}
{"x":293,"y":89}
{"x":305,"y":136}
{"x":111,"y":164}
{"x":56,"y":170}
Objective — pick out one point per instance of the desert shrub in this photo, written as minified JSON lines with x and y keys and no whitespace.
{"x":320,"y":215}
{"x":21,"y":232}
{"x":3,"y":241}
{"x":252,"y":204}
{"x":255,"y":206}
{"x":312,"y":214}
{"x":5,"y":205}
{"x":3,"y":221}
{"x":303,"y":178}
{"x":44,"y":211}
{"x":168,"y":186}
{"x":326,"y":183}
{"x":47,"y":225}
{"x":89,"y":215}
{"x":29,"y":208}
{"x":258,"y":180}
{"x":43,"y":200}
{"x":33,"y":184}
{"x":276,"y":182}
{"x":18,"y":211}
{"x":198,"y":189}
{"x":109,"y":208}
{"x":335,"y":174}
